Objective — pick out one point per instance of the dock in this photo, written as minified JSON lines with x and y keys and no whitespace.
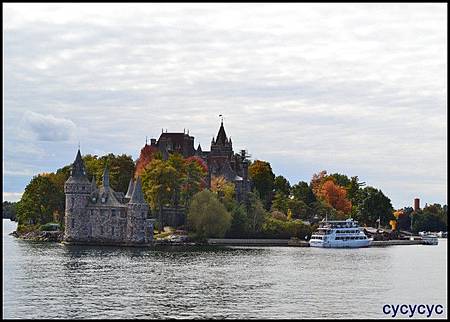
{"x":383,"y":243}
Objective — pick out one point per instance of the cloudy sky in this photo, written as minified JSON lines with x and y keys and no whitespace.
{"x":358,"y":89}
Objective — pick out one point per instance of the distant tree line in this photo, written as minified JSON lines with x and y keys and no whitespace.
{"x":9,"y":210}
{"x":273,"y":209}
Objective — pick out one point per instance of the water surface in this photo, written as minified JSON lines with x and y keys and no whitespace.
{"x":50,"y":280}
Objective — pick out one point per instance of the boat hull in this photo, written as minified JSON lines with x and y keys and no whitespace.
{"x":340,"y":244}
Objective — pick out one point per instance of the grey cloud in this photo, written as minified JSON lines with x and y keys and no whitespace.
{"x":49,"y":127}
{"x":305,"y":87}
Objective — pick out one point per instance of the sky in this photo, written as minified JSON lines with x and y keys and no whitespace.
{"x":358,"y":89}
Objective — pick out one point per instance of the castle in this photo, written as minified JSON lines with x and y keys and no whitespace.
{"x":221,"y":159}
{"x":102,"y":215}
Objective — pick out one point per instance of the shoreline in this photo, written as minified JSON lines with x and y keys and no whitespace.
{"x":57,"y":237}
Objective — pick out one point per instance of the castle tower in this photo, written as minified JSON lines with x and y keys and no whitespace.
{"x":130,"y":188}
{"x":137,"y":216}
{"x":77,"y":190}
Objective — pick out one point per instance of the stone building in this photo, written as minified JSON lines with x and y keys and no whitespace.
{"x":221,"y":159}
{"x":100,"y":214}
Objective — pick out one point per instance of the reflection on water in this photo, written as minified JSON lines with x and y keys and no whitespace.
{"x":49,"y":280}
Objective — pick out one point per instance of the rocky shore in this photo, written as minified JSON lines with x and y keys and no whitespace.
{"x":50,"y":236}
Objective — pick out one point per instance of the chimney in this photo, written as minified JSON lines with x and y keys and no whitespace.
{"x":416,"y":204}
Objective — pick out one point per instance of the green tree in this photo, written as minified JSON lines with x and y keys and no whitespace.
{"x":194,"y":182}
{"x":340,"y":179}
{"x":207,"y":216}
{"x":177,"y":161}
{"x":275,"y":228}
{"x":240,"y":223}
{"x":322,"y":210}
{"x":260,"y":173}
{"x":375,"y":205}
{"x":300,"y":209}
{"x":354,"y":191}
{"x":39,"y":201}
{"x":256,"y":213}
{"x":282,"y":185}
{"x":426,"y":220}
{"x":302,"y":191}
{"x":9,"y":210}
{"x":280,"y":202}
{"x":159,"y":180}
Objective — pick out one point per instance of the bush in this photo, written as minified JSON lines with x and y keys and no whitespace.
{"x":51,"y":226}
{"x":278,"y":215}
{"x":207,"y":216}
{"x":274,"y":228}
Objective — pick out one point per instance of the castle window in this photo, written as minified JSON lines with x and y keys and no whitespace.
{"x":83,"y":187}
{"x":101,"y":230}
{"x":103,"y":199}
{"x":73,"y":223}
{"x":112,"y":231}
{"x":113,"y":212}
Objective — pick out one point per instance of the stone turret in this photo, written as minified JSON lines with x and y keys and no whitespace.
{"x":106,"y":178}
{"x":137,"y":224}
{"x":130,"y":188}
{"x":77,"y":190}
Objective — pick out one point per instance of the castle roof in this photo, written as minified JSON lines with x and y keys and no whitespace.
{"x":138,"y":195}
{"x":78,"y":170}
{"x":130,"y":188}
{"x":174,"y":137}
{"x":94,"y":185}
{"x":221,"y":135}
{"x":106,"y":178}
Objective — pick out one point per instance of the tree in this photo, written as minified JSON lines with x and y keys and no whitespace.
{"x":282,"y":185}
{"x":256,"y":213}
{"x":280,"y":202}
{"x":278,"y":215}
{"x":317,"y":181}
{"x":39,"y":201}
{"x":260,"y":173}
{"x":428,"y":221}
{"x":375,"y":205}
{"x":9,"y":210}
{"x":207,"y":216}
{"x":146,"y":155}
{"x":340,"y":179}
{"x":177,"y":161}
{"x":240,"y":223}
{"x":299,"y":209}
{"x":322,"y":209}
{"x":121,"y":169}
{"x":335,"y":196}
{"x":159,"y":180}
{"x":354,"y":190}
{"x":196,"y":171}
{"x":301,"y":191}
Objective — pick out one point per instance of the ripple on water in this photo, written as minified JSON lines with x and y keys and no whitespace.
{"x":43,"y":280}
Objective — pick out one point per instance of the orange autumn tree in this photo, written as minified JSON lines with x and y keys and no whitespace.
{"x":335,"y":196}
{"x":317,"y":181}
{"x":147,"y":154}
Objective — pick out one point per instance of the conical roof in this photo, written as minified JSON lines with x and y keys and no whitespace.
{"x":199,"y":148}
{"x":138,"y":195}
{"x":93,"y":183}
{"x":106,"y":178}
{"x":78,"y":169}
{"x":130,"y":188}
{"x":221,"y":136}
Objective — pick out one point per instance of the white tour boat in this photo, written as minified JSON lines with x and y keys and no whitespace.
{"x":339,"y":234}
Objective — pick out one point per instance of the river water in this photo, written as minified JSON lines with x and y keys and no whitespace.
{"x":50,"y":280}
